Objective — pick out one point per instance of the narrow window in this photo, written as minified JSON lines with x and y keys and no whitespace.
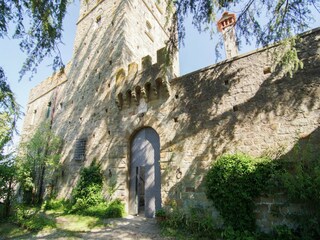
{"x":48,"y":110}
{"x":149,"y":30}
{"x":149,"y":26}
{"x":33,"y":116}
{"x":98,"y":21}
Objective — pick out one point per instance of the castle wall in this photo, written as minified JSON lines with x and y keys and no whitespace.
{"x":239,"y":105}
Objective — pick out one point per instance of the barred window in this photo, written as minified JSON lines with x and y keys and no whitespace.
{"x":80,"y":150}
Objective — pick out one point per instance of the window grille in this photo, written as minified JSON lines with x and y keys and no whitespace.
{"x":80,"y":150}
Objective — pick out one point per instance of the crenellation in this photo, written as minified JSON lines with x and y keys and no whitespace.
{"x":146,"y":62}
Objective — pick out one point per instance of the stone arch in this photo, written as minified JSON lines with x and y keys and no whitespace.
{"x":145,"y":175}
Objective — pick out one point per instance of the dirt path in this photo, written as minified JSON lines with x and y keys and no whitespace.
{"x":128,"y":228}
{"x":125,"y":229}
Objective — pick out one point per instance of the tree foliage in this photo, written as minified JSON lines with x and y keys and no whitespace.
{"x":266,"y":21}
{"x":261,"y":21}
{"x":9,"y":113}
{"x":7,"y":184}
{"x":38,"y":26}
{"x":38,"y":162}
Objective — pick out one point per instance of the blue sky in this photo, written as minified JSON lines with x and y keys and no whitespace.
{"x":198,"y":51}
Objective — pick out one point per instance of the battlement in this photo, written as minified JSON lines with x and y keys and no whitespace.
{"x":149,"y":83}
{"x":49,"y":84}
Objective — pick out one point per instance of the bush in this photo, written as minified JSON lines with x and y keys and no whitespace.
{"x":301,"y":182}
{"x":90,"y":183}
{"x":32,"y":219}
{"x":161,"y":213}
{"x":87,"y":197}
{"x":88,"y":192}
{"x":233,"y":182}
{"x":115,"y":209}
{"x":195,"y":220}
{"x":55,"y":204}
{"x":96,"y":211}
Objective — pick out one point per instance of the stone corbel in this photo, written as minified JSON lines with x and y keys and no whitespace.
{"x":144,"y":94}
{"x":155,"y":91}
{"x":118,"y":104}
{"x":134,"y":96}
{"x":127,"y":101}
{"x":119,"y":101}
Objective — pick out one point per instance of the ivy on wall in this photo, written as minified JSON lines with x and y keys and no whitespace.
{"x":235,"y":181}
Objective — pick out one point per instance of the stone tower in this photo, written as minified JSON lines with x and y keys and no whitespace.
{"x":226,"y":26}
{"x":113,"y":39}
{"x":118,"y":33}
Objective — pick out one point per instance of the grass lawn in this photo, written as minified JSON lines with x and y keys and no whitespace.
{"x":9,"y":230}
{"x":65,"y":225}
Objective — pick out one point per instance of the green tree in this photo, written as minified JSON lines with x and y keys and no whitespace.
{"x":7,"y":184}
{"x":9,"y":113}
{"x":38,"y":26}
{"x":37,"y":163}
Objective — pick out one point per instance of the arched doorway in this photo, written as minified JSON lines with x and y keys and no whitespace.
{"x":145,"y":179}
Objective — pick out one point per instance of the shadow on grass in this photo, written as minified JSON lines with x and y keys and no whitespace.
{"x":79,"y":227}
{"x":51,"y":225}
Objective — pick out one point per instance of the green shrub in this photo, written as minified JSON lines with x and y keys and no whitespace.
{"x":88,"y":192}
{"x":196,"y":221}
{"x":161,"y":213}
{"x":98,"y":210}
{"x":230,"y":234}
{"x":284,"y":233}
{"x":55,"y":204}
{"x":232,"y":183}
{"x":115,"y":209}
{"x":175,"y":218}
{"x":301,"y":182}
{"x":87,"y":197}
{"x":91,"y":198}
{"x":32,"y":219}
{"x":90,"y":182}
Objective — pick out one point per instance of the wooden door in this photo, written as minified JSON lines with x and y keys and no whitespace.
{"x":145,"y":172}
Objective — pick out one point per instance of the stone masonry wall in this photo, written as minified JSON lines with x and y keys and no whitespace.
{"x":238,"y":105}
{"x":107,"y":95}
{"x":110,"y":35}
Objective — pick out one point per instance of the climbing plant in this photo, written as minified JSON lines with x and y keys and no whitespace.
{"x":232,"y":184}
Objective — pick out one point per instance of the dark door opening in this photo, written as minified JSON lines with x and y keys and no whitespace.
{"x":141,"y":190}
